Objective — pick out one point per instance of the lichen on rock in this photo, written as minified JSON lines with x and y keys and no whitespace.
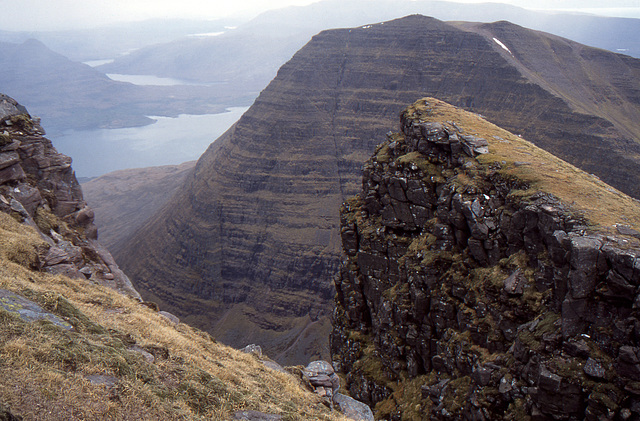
{"x":476,"y":288}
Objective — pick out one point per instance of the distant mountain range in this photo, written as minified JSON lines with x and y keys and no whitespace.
{"x":239,"y":62}
{"x":249,"y":56}
{"x":113,"y":40}
{"x":71,"y":95}
{"x":248,"y":246}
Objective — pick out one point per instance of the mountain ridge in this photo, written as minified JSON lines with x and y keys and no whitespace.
{"x":485,"y":278}
{"x":254,"y":224}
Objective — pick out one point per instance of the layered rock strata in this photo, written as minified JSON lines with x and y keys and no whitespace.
{"x":246,"y":249}
{"x":38,"y":187}
{"x":123,"y":200}
{"x":471,"y":289}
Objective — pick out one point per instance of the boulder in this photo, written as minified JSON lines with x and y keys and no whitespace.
{"x":352,"y":408}
{"x":253,"y":349}
{"x":321,"y":375}
{"x":169,"y":316}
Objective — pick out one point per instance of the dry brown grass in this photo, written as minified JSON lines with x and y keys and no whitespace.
{"x":602,"y":205}
{"x":43,"y":368}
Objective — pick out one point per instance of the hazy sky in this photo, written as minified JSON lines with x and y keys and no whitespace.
{"x":62,"y":14}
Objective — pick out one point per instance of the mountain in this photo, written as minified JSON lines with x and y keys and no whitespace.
{"x":248,"y":57}
{"x":123,"y":200}
{"x":485,"y":278}
{"x":76,"y":340}
{"x":70,"y":95}
{"x":106,"y":42}
{"x":248,"y":247}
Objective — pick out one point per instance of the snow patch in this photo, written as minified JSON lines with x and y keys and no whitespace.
{"x":96,"y":63}
{"x":502,"y":45}
{"x":207,"y":34}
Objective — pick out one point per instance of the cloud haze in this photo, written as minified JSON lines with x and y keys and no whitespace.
{"x":31,"y":15}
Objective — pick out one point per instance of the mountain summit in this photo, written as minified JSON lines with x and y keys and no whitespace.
{"x":248,"y":247}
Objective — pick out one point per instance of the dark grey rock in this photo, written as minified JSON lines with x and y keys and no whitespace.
{"x":514,"y":284}
{"x":171,"y":317}
{"x":144,"y":353}
{"x":352,"y":408}
{"x":252,"y":349}
{"x":101,"y":379}
{"x":10,"y":107}
{"x":321,"y":375}
{"x":594,"y":369}
{"x":8,"y":159}
{"x":65,"y":269}
{"x":628,"y":362}
{"x":482,"y":375}
{"x":574,"y":315}
{"x":274,"y":366}
{"x":625,"y":230}
{"x":28,"y":310}
{"x":12,"y":173}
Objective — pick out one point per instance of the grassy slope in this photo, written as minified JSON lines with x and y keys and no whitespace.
{"x":602,"y":205}
{"x":590,"y":80}
{"x":43,"y":368}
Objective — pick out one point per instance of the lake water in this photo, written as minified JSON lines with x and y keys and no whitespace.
{"x":168,"y":141}
{"x":150,"y":80}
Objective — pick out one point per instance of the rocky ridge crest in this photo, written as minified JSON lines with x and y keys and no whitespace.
{"x":38,"y":187}
{"x":476,"y":286}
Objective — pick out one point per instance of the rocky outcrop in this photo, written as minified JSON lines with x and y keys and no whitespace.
{"x":470,"y":289}
{"x":318,"y":377}
{"x":248,"y":246}
{"x":38,"y":187}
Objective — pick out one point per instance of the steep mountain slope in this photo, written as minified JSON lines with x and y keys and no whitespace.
{"x":249,"y":245}
{"x":76,"y":342}
{"x":71,"y":95}
{"x":485,"y":278}
{"x":248,"y":57}
{"x":124,"y":200}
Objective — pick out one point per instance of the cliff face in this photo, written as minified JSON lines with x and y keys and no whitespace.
{"x":38,"y":187}
{"x":486,"y":279}
{"x":248,"y":247}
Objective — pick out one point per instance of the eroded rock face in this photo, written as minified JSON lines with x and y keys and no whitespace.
{"x":482,"y":303}
{"x":38,"y":187}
